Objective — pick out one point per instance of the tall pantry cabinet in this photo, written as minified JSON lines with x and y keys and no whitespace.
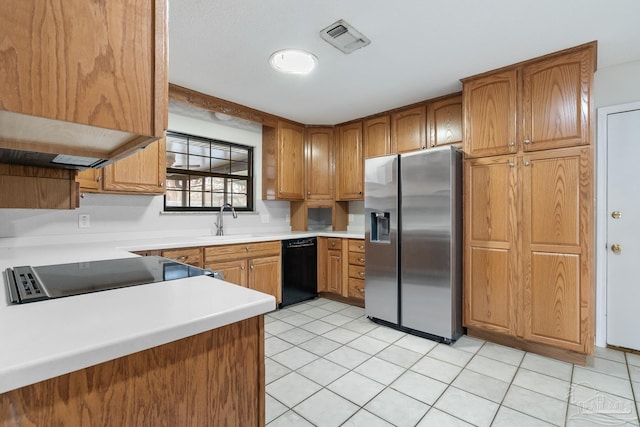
{"x":529,"y":232}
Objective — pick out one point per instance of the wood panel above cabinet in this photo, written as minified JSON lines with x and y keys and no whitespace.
{"x":444,"y":121}
{"x":377,"y":136}
{"x":408,"y":129}
{"x":83,"y":78}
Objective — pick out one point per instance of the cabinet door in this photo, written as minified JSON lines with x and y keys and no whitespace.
{"x":191,"y":256}
{"x":408,"y":130}
{"x":350,"y":163}
{"x":234,"y":271}
{"x":143,"y":172}
{"x":290,"y":161}
{"x":320,"y":164}
{"x":377,"y":136}
{"x":557,"y":101}
{"x":490,"y":105}
{"x":557,"y":248}
{"x":490,"y":253}
{"x":265,"y":276}
{"x":445,"y":122}
{"x":334,"y":271}
{"x":89,"y":180}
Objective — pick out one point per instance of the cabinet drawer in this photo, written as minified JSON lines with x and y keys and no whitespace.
{"x":356,"y":245}
{"x":186,"y":256}
{"x":356,"y":258}
{"x":356,"y":271}
{"x":242,"y":250}
{"x":356,"y":288}
{"x":334,"y":243}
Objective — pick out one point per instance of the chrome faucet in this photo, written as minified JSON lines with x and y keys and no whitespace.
{"x":219,"y":221}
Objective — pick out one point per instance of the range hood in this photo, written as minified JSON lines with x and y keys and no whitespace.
{"x":49,"y":160}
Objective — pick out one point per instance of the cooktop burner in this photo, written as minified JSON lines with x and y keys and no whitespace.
{"x":28,"y":284}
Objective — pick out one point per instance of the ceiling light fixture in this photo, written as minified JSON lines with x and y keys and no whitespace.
{"x":293,"y":61}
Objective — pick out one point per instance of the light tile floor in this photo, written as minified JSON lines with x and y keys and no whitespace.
{"x":328,"y":365}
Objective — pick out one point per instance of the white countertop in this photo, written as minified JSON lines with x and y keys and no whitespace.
{"x":45,"y":339}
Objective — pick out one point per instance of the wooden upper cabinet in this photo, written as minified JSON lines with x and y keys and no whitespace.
{"x":490,"y":107}
{"x":557,"y":100}
{"x":87,"y":78}
{"x":444,"y":118}
{"x":408,"y":129}
{"x":541,"y":104}
{"x":557,"y":240}
{"x":350,"y":163}
{"x":320,"y":168}
{"x":143,"y":172}
{"x":377,"y":136}
{"x":283,"y":161}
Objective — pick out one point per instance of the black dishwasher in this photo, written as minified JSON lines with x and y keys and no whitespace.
{"x":299,"y":270}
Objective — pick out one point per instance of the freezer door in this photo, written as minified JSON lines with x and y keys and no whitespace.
{"x":381,"y":237}
{"x":431,"y":242}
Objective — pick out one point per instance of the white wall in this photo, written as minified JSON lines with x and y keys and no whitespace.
{"x":617,"y":84}
{"x":125,"y":216}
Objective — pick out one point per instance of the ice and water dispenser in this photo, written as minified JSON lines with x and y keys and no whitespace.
{"x":380,"y":227}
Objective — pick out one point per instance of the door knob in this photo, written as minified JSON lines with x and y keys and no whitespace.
{"x":616,"y":248}
{"x":616,"y":214}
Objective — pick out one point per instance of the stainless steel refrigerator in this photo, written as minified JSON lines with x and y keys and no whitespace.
{"x":413,"y":242}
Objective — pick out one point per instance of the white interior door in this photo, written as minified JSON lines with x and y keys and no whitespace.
{"x":623,"y":229}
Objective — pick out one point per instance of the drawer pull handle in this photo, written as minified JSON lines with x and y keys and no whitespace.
{"x":182,"y":258}
{"x":361,"y":273}
{"x":361,"y":259}
{"x":246,"y":248}
{"x":361,"y":290}
{"x":333,"y":243}
{"x":251,"y":267}
{"x":242,"y":268}
{"x":360,"y":246}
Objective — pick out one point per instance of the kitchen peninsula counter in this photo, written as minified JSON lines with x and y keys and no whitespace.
{"x":73,"y":344}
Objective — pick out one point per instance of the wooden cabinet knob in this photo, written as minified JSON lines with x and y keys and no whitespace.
{"x":361,"y":290}
{"x":361,"y":259}
{"x":361,"y":273}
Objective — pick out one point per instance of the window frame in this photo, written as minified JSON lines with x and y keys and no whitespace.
{"x":249,"y":178}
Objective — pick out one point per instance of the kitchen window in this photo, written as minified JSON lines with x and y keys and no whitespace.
{"x":203,"y":174}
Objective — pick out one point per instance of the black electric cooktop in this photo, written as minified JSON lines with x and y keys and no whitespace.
{"x":28,"y":284}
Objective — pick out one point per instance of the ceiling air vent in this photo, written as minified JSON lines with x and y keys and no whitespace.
{"x":344,"y":37}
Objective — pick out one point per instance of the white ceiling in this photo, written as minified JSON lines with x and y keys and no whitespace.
{"x":419,"y":48}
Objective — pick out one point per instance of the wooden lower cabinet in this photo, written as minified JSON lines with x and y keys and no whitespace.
{"x":233,"y":271}
{"x":330,"y":265}
{"x":341,"y":269}
{"x":355,"y":284}
{"x":191,"y":256}
{"x":215,"y":378}
{"x":529,"y":251}
{"x":254,"y":265}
